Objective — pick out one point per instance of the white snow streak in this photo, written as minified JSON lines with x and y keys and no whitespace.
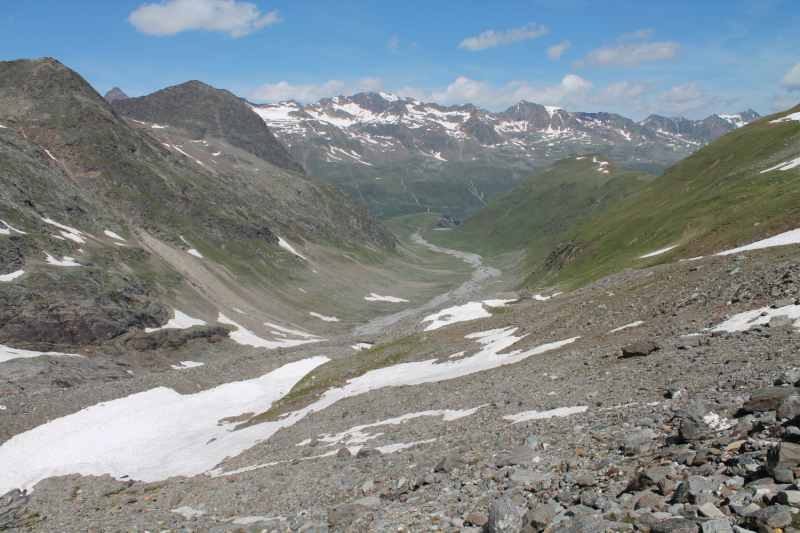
{"x":286,"y":245}
{"x":194,"y":253}
{"x":787,"y":118}
{"x":626,"y":326}
{"x":180,"y":321}
{"x":7,"y":354}
{"x":65,"y":261}
{"x":186,"y":364}
{"x":658,"y":252}
{"x":113,"y":235}
{"x":545,"y":415}
{"x":758,"y":317}
{"x":325,"y":318}
{"x":459,"y":313}
{"x":245,"y":336}
{"x":12,"y":275}
{"x":376,"y":298}
{"x":8,"y":229}
{"x":789,"y":237}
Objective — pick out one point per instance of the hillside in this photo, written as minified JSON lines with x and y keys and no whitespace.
{"x":111,"y":226}
{"x":741,"y":188}
{"x":401,"y":155}
{"x":550,"y":206}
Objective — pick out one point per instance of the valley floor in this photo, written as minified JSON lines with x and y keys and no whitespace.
{"x":497,"y":404}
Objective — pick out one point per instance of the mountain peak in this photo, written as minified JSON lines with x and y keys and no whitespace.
{"x":115,"y":94}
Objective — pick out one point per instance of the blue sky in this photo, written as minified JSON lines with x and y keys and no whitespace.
{"x":688,"y":58}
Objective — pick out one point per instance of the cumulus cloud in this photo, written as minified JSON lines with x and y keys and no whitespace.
{"x":682,"y":99}
{"x":278,"y":92}
{"x":791,"y":78}
{"x":493,"y":39}
{"x":629,"y":54}
{"x":225,"y":16}
{"x":393,"y":44}
{"x":555,"y":51}
{"x":637,"y":35}
{"x":634,"y":97}
{"x":572,"y":91}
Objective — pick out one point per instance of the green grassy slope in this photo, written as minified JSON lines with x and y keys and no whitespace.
{"x":546,"y":209}
{"x":715,"y":199}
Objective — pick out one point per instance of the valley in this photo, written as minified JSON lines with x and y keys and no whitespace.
{"x":201,"y":331}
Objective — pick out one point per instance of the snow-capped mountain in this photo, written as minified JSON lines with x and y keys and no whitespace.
{"x":355,"y":141}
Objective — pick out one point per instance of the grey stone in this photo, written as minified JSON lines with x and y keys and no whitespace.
{"x":645,"y":522}
{"x":783,"y":302}
{"x":691,"y":487}
{"x":709,"y":510}
{"x":788,"y":407}
{"x":588,"y":524}
{"x":790,"y":377}
{"x":539,"y":517}
{"x":521,"y":455}
{"x":775,"y":516}
{"x":504,"y":517}
{"x":784,"y":455}
{"x":449,"y":462}
{"x":585,"y":480}
{"x":783,"y":475}
{"x":789,"y":497}
{"x":676,"y":525}
{"x":778,"y":321}
{"x":766,"y":399}
{"x":639,"y":349}
{"x":718,"y":525}
{"x":343,"y":452}
{"x":370,"y":502}
{"x":368,"y":452}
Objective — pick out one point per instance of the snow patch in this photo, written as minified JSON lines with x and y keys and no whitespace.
{"x":626,"y":326}
{"x":7,"y":354}
{"x":459,"y":313}
{"x":325,"y":318}
{"x":758,"y":317}
{"x":545,"y":415}
{"x":787,"y":118}
{"x":789,"y":237}
{"x":12,"y":275}
{"x":179,"y":321}
{"x":194,"y":253}
{"x":497,"y":303}
{"x":186,"y":364}
{"x":151,"y":435}
{"x":65,"y":261}
{"x":157,"y":127}
{"x":68,"y":232}
{"x":784,"y":166}
{"x":113,"y":235}
{"x":286,"y":245}
{"x":8,"y":229}
{"x":658,"y":252}
{"x":376,"y":298}
{"x":246,"y":337}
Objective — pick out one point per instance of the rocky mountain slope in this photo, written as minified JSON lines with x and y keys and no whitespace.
{"x":400,"y":155}
{"x":549,"y":207}
{"x":738,"y":189}
{"x":110,"y":224}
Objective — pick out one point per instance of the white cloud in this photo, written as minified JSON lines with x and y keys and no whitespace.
{"x":634,"y":97}
{"x":226,"y":16}
{"x":277,"y":92}
{"x":637,"y":35}
{"x":682,"y":99}
{"x":791,"y":78}
{"x":778,"y":103}
{"x":572,"y":91}
{"x":629,"y":54}
{"x":393,"y":43}
{"x":491,"y":38}
{"x":555,"y":51}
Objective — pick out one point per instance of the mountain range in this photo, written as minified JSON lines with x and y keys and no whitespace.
{"x":400,"y":155}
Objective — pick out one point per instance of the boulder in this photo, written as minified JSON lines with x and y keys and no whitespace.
{"x":640,"y":349}
{"x":521,"y":455}
{"x":790,"y":377}
{"x":675,"y":525}
{"x":504,"y":517}
{"x":766,"y":399}
{"x":784,"y":455}
{"x":449,"y":463}
{"x":539,"y":517}
{"x":649,"y":478}
{"x":691,"y":487}
{"x":777,"y":516}
{"x":788,"y":407}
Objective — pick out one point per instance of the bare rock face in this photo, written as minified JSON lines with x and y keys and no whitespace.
{"x":766,"y":399}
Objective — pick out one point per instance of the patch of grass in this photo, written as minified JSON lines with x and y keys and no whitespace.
{"x":335,"y":373}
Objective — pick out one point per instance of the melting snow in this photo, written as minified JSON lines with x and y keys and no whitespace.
{"x":151,"y":435}
{"x":544,"y":298}
{"x":7,"y":354}
{"x":658,"y":252}
{"x":789,"y":237}
{"x":8,"y":229}
{"x":376,"y":298}
{"x":65,"y":261}
{"x":68,"y":232}
{"x":194,"y":253}
{"x":784,"y":166}
{"x":787,"y":118}
{"x":357,"y":435}
{"x":459,"y":313}
{"x":325,"y":318}
{"x":113,"y":235}
{"x":286,"y":245}
{"x":186,"y":364}
{"x":157,"y":127}
{"x":294,"y":332}
{"x":758,"y":317}
{"x":180,"y":321}
{"x":245,"y":336}
{"x":497,"y":303}
{"x":12,"y":275}
{"x":626,"y":326}
{"x":545,"y":415}
{"x":361,"y":346}
{"x":50,"y":155}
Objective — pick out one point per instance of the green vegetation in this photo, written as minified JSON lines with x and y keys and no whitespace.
{"x":715,"y":199}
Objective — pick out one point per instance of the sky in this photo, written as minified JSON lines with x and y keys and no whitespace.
{"x":674,"y":58}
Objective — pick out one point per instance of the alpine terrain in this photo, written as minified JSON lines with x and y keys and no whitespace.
{"x":200,"y":331}
{"x":400,"y":155}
